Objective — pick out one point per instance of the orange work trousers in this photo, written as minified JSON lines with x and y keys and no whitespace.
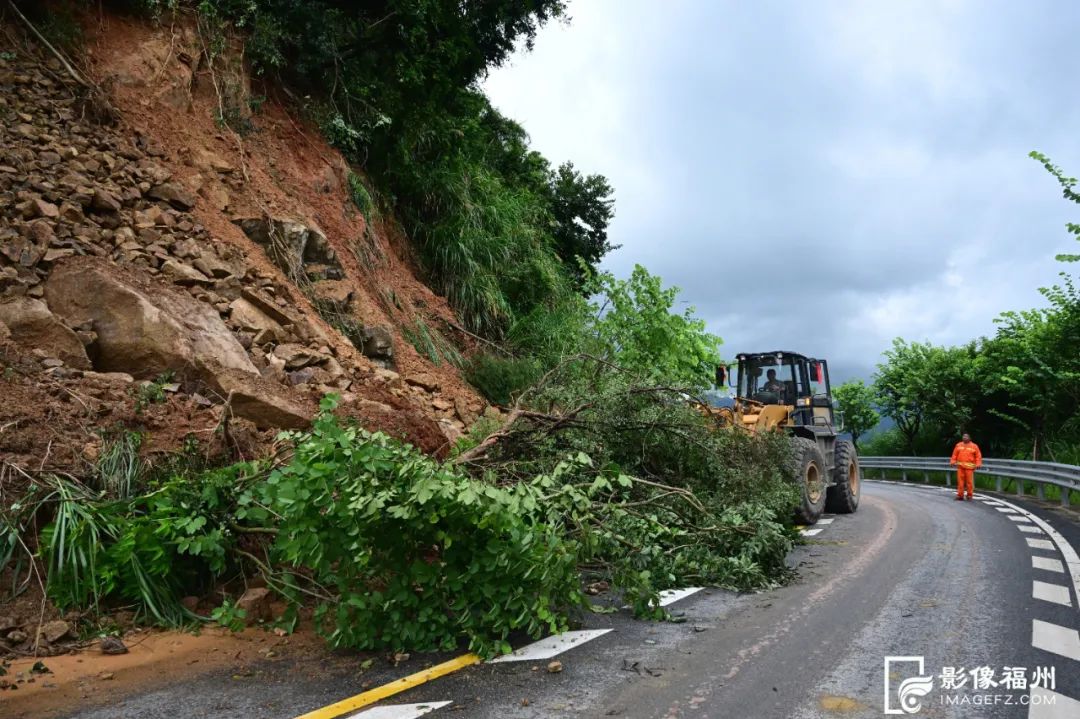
{"x":965,"y":481}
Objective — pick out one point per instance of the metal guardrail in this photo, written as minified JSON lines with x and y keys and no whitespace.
{"x":1065,"y":476}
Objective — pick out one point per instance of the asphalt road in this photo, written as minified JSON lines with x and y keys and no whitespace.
{"x":912,"y":574}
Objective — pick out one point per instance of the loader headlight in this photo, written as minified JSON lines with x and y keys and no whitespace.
{"x":803,"y":402}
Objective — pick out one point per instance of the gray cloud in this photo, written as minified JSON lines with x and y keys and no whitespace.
{"x":819,"y":176}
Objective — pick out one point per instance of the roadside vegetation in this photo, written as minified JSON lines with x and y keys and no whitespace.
{"x":1015,"y":392}
{"x":601,"y":471}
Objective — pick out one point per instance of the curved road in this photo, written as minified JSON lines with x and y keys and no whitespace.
{"x":912,"y":574}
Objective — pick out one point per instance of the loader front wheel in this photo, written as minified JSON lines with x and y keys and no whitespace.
{"x":843,"y":496}
{"x":810,"y":475}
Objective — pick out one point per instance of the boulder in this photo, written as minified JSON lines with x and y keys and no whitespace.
{"x":53,"y":632}
{"x":295,"y":356}
{"x":262,"y":402}
{"x":249,"y":317}
{"x":423,"y":380}
{"x":144,"y":329}
{"x":378,"y":343}
{"x":183,"y":274}
{"x":335,"y":294}
{"x":173,"y":193}
{"x":30,"y":323}
{"x":255,"y":603}
{"x":105,"y":201}
{"x":290,"y":244}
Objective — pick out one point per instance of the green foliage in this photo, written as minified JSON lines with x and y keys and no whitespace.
{"x":856,"y":401}
{"x":501,"y":379}
{"x":582,"y":208}
{"x":360,"y":196}
{"x":416,"y":554}
{"x":1068,"y":191}
{"x":635,"y":328}
{"x":150,"y":393}
{"x":713,"y":508}
{"x":119,"y":467}
{"x":230,"y":616}
{"x":146,"y":550}
{"x":394,"y":87}
{"x":432,"y":343}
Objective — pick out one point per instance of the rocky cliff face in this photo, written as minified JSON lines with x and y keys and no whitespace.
{"x":165,"y":246}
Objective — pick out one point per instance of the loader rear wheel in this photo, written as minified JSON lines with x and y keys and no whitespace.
{"x":843,"y":496}
{"x":810,"y":475}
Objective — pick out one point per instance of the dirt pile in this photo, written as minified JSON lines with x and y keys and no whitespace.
{"x":236,"y":270}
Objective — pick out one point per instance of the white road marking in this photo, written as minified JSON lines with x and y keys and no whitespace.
{"x":1056,"y":593}
{"x":1006,"y":510}
{"x":1072,"y":559}
{"x":670,"y":596}
{"x":1040,"y":544}
{"x":991,"y":502}
{"x":550,"y":647}
{"x":812,"y":532}
{"x":1046,"y":704}
{"x":1063,"y":641}
{"x":1019,"y":518}
{"x":1030,"y":529}
{"x":828,"y":520}
{"x":1050,"y":565}
{"x":399,"y":711}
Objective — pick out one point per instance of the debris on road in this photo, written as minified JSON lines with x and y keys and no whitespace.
{"x":113,"y":645}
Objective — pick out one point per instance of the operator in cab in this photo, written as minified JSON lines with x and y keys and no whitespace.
{"x":771,"y":383}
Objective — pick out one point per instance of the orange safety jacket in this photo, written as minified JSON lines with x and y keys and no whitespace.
{"x":967,"y":455}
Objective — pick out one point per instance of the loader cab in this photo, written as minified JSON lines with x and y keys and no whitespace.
{"x":800,"y":382}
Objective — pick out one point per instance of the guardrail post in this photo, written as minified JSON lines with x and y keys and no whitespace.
{"x":903,"y":476}
{"x":1019,"y":487}
{"x":948,"y":476}
{"x":1039,"y":491}
{"x":997,"y":483}
{"x":926,"y":477}
{"x":1065,"y":492}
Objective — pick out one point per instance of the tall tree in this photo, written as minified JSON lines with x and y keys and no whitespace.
{"x":857,"y":403}
{"x":582,"y":207}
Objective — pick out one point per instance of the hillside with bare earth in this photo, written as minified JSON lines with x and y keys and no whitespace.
{"x":203,"y":244}
{"x":233,"y":273}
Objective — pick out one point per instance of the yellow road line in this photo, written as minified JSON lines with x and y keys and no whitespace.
{"x":395,"y":687}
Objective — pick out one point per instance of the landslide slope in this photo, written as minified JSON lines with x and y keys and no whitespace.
{"x":227,"y":263}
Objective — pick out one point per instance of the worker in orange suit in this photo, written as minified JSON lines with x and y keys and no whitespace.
{"x":966,"y":457}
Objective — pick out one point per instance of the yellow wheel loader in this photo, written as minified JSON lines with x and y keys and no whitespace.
{"x":789,"y":392}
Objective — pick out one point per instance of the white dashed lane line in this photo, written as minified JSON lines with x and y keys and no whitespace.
{"x":1063,"y":641}
{"x":399,"y":711}
{"x":550,"y":647}
{"x":1056,"y":593}
{"x":1046,"y":704}
{"x":670,"y":596}
{"x":821,"y":525}
{"x":1048,"y":564}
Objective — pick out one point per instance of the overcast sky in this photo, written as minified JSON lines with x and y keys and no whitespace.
{"x":819,"y":176}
